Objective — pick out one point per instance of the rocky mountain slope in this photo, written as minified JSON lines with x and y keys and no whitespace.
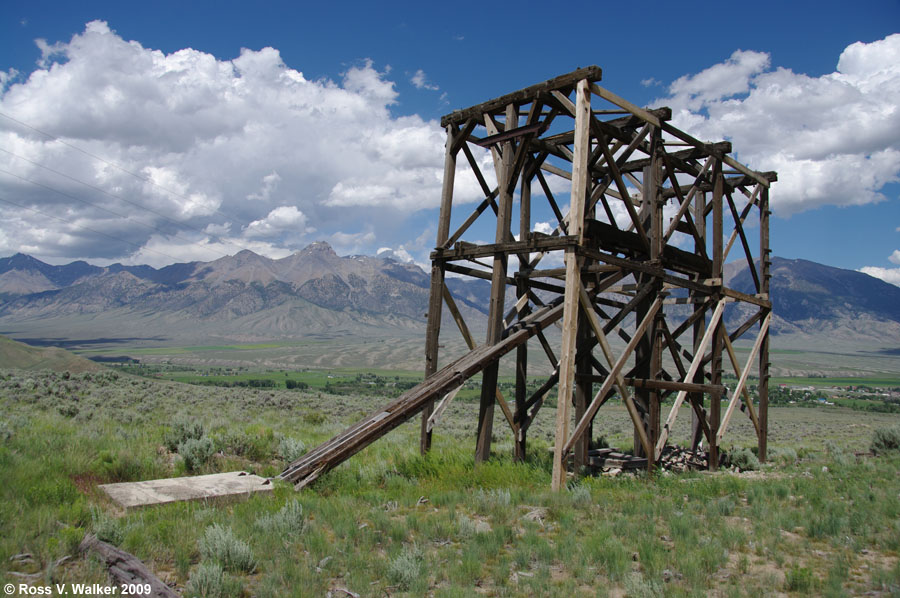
{"x":313,"y":291}
{"x":316,"y":293}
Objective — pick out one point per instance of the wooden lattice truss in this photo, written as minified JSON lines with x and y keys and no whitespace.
{"x":626,"y":265}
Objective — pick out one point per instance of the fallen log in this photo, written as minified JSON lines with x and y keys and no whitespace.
{"x":125,"y":568}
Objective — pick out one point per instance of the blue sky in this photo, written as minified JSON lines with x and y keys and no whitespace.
{"x":363,"y":59}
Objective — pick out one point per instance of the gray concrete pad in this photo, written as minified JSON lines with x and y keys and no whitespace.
{"x":157,"y":492}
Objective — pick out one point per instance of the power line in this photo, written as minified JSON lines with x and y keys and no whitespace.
{"x":113,"y":164}
{"x":70,"y":223}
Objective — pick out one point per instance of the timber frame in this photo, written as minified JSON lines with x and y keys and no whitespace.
{"x":642,"y":247}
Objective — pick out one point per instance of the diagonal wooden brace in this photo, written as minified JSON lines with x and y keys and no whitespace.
{"x":695,"y":365}
{"x":740,"y":389}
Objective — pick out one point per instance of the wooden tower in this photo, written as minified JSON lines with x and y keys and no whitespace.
{"x":653,"y":215}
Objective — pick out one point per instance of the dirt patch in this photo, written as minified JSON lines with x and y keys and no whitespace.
{"x":86,"y":483}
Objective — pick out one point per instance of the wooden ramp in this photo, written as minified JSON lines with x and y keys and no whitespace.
{"x":357,"y":437}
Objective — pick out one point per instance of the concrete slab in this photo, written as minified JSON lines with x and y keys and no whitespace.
{"x":157,"y":492}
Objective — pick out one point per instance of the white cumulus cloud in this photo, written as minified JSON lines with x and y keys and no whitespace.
{"x":834,"y":139}
{"x":193,"y":146}
{"x":279,"y":220}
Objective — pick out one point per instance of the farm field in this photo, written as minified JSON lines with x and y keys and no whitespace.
{"x":817,"y":521}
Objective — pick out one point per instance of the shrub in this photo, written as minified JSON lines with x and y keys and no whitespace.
{"x":290,"y":449}
{"x":106,"y":528}
{"x":119,"y":467}
{"x":288,"y":520}
{"x":744,"y":459}
{"x":196,"y":452}
{"x":580,"y":494}
{"x":494,"y":497}
{"x":209,"y":581}
{"x":253,"y":446}
{"x":637,"y":586}
{"x":314,"y":418}
{"x":407,"y":567}
{"x":183,"y":429}
{"x":220,"y":545}
{"x":799,"y":579}
{"x":886,"y":440}
{"x":783,"y":455}
{"x":837,"y":453}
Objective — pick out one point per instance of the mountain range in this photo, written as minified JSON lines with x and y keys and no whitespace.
{"x":315,"y":293}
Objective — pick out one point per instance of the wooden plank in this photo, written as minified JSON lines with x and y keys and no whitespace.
{"x":673,"y":385}
{"x":435,"y":416}
{"x":715,"y":368}
{"x":763,"y":388}
{"x":521,"y":396}
{"x":590,"y":73}
{"x":503,"y":165}
{"x":125,"y":568}
{"x":623,"y":103}
{"x":534,"y":128}
{"x":457,"y":317}
{"x":642,"y":266}
{"x":580,"y":181}
{"x":433,"y":326}
{"x":466,"y":251}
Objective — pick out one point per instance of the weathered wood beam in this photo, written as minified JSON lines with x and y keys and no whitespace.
{"x":534,"y":128}
{"x":661,"y":384}
{"x":763,"y":370}
{"x":125,"y":568}
{"x":465,"y":251}
{"x":591,"y":73}
{"x":580,"y":182}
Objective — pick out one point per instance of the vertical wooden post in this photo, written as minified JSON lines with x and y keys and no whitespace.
{"x":699,"y":328}
{"x":652,"y":190}
{"x":764,"y":263}
{"x":583,"y":388}
{"x":521,"y":413}
{"x":715,"y":409}
{"x":580,"y":177}
{"x":435,"y":299}
{"x":498,"y":293}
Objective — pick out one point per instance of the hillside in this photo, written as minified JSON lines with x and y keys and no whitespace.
{"x":812,"y":300}
{"x":14,"y":354}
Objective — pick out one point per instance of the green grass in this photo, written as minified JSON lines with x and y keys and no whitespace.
{"x":393,"y":522}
